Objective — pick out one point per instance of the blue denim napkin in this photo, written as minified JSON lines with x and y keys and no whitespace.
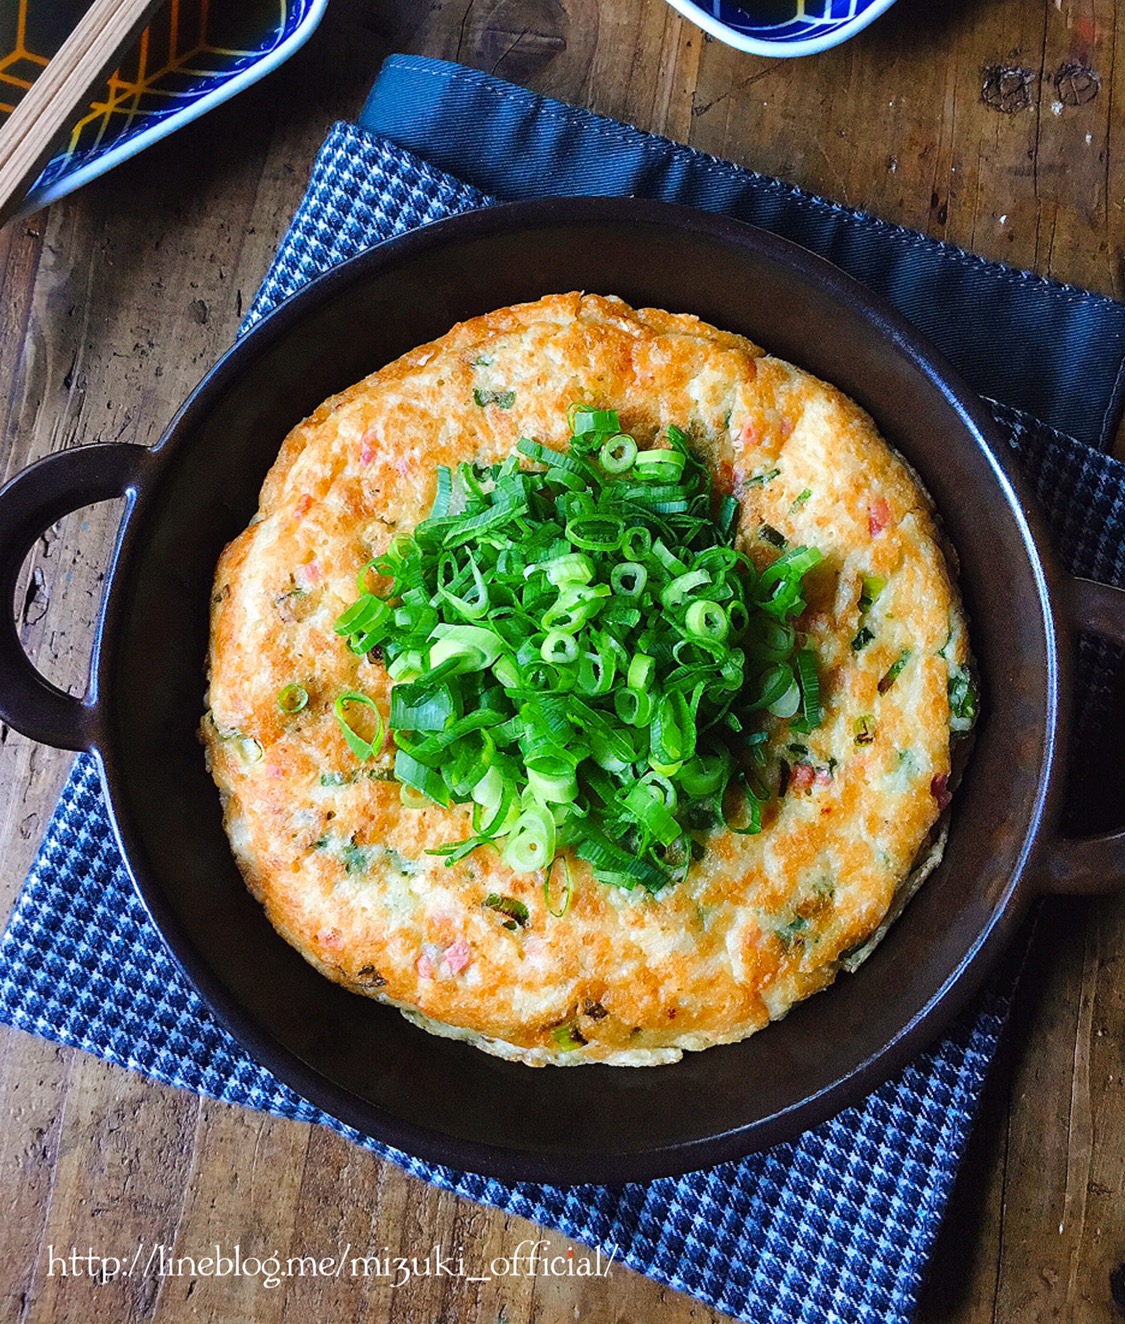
{"x":835,"y":1227}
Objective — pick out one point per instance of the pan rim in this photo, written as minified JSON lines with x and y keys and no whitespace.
{"x":513,"y":1163}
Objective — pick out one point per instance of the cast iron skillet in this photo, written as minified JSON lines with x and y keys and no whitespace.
{"x":363,"y":1063}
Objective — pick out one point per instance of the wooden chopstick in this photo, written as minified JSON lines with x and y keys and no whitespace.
{"x":34,"y":128}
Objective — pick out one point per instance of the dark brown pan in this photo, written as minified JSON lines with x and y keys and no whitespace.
{"x":363,"y":1063}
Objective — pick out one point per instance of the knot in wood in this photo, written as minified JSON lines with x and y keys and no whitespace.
{"x":1007,"y":87}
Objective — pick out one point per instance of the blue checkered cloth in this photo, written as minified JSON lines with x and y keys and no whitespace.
{"x":833,"y":1228}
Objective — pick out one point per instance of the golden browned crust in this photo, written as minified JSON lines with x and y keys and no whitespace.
{"x":340,"y":865}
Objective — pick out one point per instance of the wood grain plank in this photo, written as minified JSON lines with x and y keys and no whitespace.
{"x":119,"y":1182}
{"x":246,"y":1175}
{"x":34,"y":1079}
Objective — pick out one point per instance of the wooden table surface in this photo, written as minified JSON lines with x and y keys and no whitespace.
{"x":988,"y":123}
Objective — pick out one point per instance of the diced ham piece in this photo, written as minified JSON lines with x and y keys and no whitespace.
{"x":823,"y":777}
{"x":878,"y":516}
{"x":303,"y":506}
{"x":308,"y":575}
{"x":939,"y":789}
{"x":749,"y":434}
{"x":330,"y":938}
{"x":425,"y":967}
{"x":801,"y":777}
{"x":458,"y":956}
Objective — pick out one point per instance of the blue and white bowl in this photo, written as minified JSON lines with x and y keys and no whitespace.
{"x":194,"y":55}
{"x":782,"y":27}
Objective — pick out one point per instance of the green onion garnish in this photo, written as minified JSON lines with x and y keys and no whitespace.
{"x":292,"y":698}
{"x":252,"y":750}
{"x":872,"y":587}
{"x":511,"y":906}
{"x":963,"y":700}
{"x":618,"y":454}
{"x":862,"y":639}
{"x":501,"y":399}
{"x":569,"y":1037}
{"x":810,"y":691}
{"x":583,"y":657}
{"x":865,"y":730}
{"x":363,"y":749}
{"x":894,"y":671}
{"x":568,"y":888}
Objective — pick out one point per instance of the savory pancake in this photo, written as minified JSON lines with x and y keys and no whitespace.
{"x":622,"y":976}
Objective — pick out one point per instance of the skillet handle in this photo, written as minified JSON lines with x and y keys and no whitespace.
{"x":29,"y":504}
{"x":1086,"y":866}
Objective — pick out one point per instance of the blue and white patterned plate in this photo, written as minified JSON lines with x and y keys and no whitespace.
{"x":782,"y":27}
{"x":193,"y":55}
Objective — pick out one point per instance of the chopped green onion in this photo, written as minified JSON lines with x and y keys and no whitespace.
{"x":573,"y":568}
{"x":559,"y":647}
{"x":501,"y":399}
{"x":705,"y":775}
{"x":637,"y":542}
{"x":634,"y":707}
{"x":862,"y":639}
{"x":416,"y":776}
{"x":682,"y":586}
{"x":865,"y":730}
{"x":810,"y":687}
{"x":292,"y":698}
{"x":422,"y":709}
{"x":894,"y":671}
{"x":507,"y":673}
{"x":661,"y":466}
{"x":531,"y":843}
{"x":553,"y":786}
{"x":363,"y":749}
{"x":471,"y":608}
{"x":407,"y":667}
{"x":763,"y":478}
{"x":511,"y":906}
{"x":787,"y":703}
{"x":963,"y":700}
{"x":581,"y":656}
{"x":642,"y":669}
{"x":365,"y":622}
{"x":771,"y":535}
{"x":628,"y":578}
{"x":645,"y":806}
{"x":872,"y":587}
{"x":596,"y":533}
{"x":251,"y":749}
{"x":568,"y":1038}
{"x":469,"y":646}
{"x":583,"y":419}
{"x":568,"y":887}
{"x":618,"y":453}
{"x":707,"y":620}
